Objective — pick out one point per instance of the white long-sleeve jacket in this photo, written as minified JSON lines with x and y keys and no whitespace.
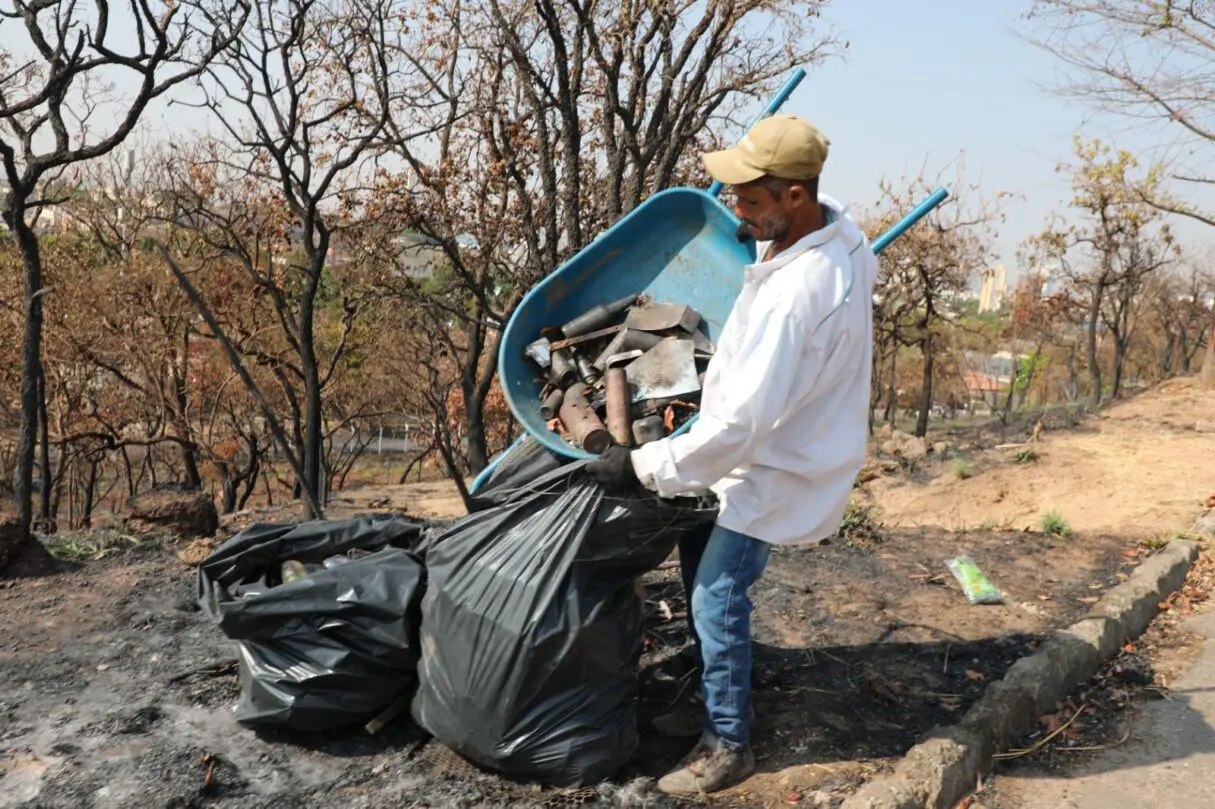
{"x":784,"y":409}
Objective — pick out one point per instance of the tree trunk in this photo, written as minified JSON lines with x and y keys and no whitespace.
{"x":892,"y":389}
{"x":478,"y":451}
{"x":21,"y":541}
{"x":1073,"y":383}
{"x":1119,"y":363}
{"x":227,"y":486}
{"x":921,"y":424}
{"x":44,"y":455}
{"x":181,"y":418}
{"x":251,"y":472}
{"x":1012,"y":389}
{"x":1094,"y":367}
{"x":1208,"y":362}
{"x":1166,"y":355}
{"x":313,"y":448}
{"x":89,"y":493}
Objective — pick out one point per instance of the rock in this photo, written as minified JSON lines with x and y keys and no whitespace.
{"x":1206,"y":524}
{"x":197,"y":551}
{"x":870,"y":471}
{"x":886,"y":432}
{"x":940,"y":448}
{"x":180,"y":510}
{"x":915,"y":448}
{"x":890,"y":448}
{"x":1133,"y":669}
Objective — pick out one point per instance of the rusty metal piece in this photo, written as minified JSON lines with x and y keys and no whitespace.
{"x":648,"y":429}
{"x":582,"y":423}
{"x":585,"y":370}
{"x":616,"y":392}
{"x":663,"y":316}
{"x":586,"y":338}
{"x":551,"y":405}
{"x":563,"y":372}
{"x":627,"y":340}
{"x":596,"y":317}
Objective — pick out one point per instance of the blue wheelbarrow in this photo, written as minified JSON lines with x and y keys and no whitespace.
{"x":679,"y":246}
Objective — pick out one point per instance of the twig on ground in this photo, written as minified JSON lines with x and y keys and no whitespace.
{"x":1044,"y":740}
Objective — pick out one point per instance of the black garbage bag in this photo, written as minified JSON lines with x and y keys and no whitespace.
{"x":329,"y":649}
{"x":532,"y":628}
{"x":524,"y":464}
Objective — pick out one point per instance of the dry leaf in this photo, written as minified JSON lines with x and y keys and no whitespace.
{"x":793,"y":798}
{"x":1050,"y":722}
{"x":977,"y":676}
{"x":950,"y":705}
{"x":1130,"y":553}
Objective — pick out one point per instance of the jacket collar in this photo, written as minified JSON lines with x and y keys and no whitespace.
{"x":762,"y":269}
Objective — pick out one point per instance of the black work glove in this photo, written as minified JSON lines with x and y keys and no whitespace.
{"x":614,"y":469}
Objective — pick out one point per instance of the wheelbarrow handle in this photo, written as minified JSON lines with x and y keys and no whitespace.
{"x":917,"y":213}
{"x":775,"y":104}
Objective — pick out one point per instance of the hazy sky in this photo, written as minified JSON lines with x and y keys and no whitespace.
{"x":933,"y":78}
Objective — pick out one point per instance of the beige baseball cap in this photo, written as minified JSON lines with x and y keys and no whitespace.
{"x":784,"y":146}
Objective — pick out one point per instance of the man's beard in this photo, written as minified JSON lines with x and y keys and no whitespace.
{"x":773,"y":228}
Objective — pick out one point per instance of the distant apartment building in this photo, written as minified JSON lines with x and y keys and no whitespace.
{"x":994,"y":289}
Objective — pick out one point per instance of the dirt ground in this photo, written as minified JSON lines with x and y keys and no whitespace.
{"x":1134,"y":469}
{"x":116,"y":692}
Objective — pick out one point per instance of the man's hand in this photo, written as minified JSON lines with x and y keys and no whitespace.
{"x":614,"y":469}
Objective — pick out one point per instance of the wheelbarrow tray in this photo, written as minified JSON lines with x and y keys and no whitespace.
{"x":679,"y":246}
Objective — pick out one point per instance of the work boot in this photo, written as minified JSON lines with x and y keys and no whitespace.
{"x":711,"y":767}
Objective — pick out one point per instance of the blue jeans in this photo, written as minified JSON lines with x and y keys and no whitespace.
{"x":718,"y":568}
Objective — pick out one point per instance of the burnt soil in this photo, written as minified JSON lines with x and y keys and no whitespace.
{"x":116,"y":692}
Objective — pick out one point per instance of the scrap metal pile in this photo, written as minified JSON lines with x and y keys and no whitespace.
{"x":628,"y":372}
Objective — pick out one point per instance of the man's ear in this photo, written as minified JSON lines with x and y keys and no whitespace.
{"x":798,"y":194}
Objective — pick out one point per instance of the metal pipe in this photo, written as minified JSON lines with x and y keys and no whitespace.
{"x":917,"y":213}
{"x":563,"y":371}
{"x":551,"y":405}
{"x":596,"y":317}
{"x":582,"y":423}
{"x":587,"y":371}
{"x":616,"y":392}
{"x":775,"y":104}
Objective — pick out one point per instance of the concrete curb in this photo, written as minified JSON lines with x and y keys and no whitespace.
{"x":945,"y":766}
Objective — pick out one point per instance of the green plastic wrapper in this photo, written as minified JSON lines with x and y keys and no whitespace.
{"x":975,"y":585}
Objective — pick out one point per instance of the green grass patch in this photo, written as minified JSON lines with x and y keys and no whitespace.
{"x":1053,"y":525}
{"x":85,"y":547}
{"x":962,"y":469}
{"x":860,"y":527}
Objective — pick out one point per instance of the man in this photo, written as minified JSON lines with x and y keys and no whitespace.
{"x":782,"y":427}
